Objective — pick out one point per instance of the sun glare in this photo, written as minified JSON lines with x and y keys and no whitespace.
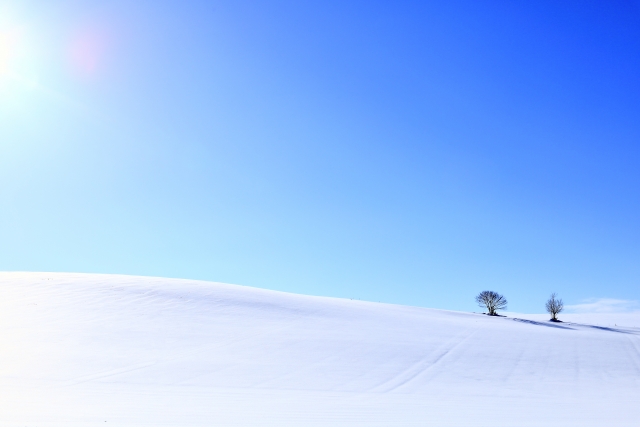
{"x":8,"y":42}
{"x":18,"y":75}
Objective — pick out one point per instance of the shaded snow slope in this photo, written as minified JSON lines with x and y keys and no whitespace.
{"x":87,"y":350}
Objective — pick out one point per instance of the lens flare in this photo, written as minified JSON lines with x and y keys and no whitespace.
{"x":87,"y":52}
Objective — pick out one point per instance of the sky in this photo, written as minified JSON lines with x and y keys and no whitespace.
{"x":411,"y":152}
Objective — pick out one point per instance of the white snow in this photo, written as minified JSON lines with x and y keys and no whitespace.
{"x":89,"y":350}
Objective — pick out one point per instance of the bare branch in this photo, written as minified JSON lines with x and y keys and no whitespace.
{"x":554,"y":306}
{"x":492,"y":301}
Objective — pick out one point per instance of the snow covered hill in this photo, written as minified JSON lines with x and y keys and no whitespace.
{"x":89,"y":350}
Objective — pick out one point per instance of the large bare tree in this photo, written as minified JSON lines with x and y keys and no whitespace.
{"x":492,"y":301}
{"x":554,"y":306}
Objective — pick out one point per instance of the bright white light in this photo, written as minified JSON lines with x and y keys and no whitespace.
{"x":18,"y":75}
{"x":10,"y":46}
{"x":7,"y":51}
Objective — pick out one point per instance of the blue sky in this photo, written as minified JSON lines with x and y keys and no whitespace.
{"x":405,"y":152}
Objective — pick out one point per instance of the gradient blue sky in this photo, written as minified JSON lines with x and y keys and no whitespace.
{"x":405,"y":152}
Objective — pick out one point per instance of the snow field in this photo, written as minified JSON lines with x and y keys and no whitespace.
{"x":86,"y":350}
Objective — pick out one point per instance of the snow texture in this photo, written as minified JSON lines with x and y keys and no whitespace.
{"x":107,"y":350}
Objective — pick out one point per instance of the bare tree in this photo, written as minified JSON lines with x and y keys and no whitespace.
{"x":492,"y":301}
{"x":554,"y":306}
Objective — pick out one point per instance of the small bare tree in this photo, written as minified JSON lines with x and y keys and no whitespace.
{"x":554,"y":306}
{"x":492,"y":301}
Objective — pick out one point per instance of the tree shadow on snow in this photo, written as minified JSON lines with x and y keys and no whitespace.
{"x":548,"y":325}
{"x":605,"y":328}
{"x":556,"y":324}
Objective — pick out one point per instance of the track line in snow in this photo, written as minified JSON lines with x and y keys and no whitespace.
{"x":107,"y":374}
{"x":424,"y":365}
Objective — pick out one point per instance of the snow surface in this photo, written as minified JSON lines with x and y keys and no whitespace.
{"x":89,"y":350}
